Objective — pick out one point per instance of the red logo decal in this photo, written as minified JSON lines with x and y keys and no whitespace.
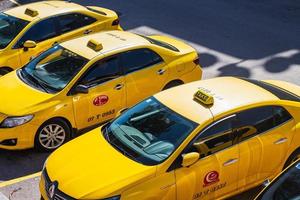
{"x":211,"y":178}
{"x":100,"y":100}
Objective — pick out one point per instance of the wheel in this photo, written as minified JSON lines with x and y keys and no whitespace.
{"x":4,"y":71}
{"x":172,"y":84}
{"x":52,"y":135}
{"x":295,"y":156}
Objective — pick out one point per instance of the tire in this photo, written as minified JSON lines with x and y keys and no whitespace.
{"x":4,"y":71}
{"x":172,"y":84}
{"x":295,"y":156}
{"x":51,"y":135}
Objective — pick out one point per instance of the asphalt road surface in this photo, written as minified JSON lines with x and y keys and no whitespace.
{"x":257,"y":39}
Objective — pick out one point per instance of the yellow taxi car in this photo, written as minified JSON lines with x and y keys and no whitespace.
{"x":27,"y":30}
{"x":248,"y":130}
{"x":86,"y":81}
{"x":285,"y":186}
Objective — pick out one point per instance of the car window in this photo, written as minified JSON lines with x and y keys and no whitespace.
{"x":74,"y":21}
{"x":39,"y":32}
{"x":101,"y":72}
{"x":281,"y":115}
{"x":259,"y":120}
{"x":10,"y":27}
{"x":254,"y":121}
{"x":287,"y":186}
{"x":138,"y":59}
{"x":215,"y":138}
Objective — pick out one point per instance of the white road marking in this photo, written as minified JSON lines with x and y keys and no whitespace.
{"x":15,"y":2}
{"x":2,"y":197}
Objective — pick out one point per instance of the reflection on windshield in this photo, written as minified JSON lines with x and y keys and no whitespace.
{"x":55,"y":68}
{"x":286,"y":187}
{"x":10,"y":27}
{"x":149,"y":132}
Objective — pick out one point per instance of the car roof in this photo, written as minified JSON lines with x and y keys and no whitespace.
{"x":110,"y":40}
{"x":228,"y":92}
{"x":45,"y":9}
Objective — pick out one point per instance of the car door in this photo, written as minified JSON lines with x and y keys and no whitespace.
{"x":106,"y":95}
{"x":73,"y":25}
{"x":215,"y":174}
{"x":276,"y":142}
{"x":263,"y":139}
{"x":145,"y":74}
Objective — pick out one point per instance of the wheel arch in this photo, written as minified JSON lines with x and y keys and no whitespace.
{"x":289,"y":158}
{"x":62,"y":119}
{"x":173,"y":82}
{"x":7,"y":68}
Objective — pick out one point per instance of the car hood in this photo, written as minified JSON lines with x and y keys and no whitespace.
{"x":18,"y":98}
{"x":90,"y":168}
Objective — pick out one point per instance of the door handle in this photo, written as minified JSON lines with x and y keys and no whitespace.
{"x":119,"y":86}
{"x":86,"y":32}
{"x":161,"y":71}
{"x":281,"y":140}
{"x":230,"y":162}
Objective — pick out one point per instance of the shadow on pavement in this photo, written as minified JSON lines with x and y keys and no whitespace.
{"x":14,"y":164}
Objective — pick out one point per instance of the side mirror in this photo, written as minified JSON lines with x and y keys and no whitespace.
{"x":29,"y":44}
{"x":81,"y":89}
{"x":190,"y":159}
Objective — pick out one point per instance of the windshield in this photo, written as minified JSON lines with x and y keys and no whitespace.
{"x":55,"y":68}
{"x":287,"y":186}
{"x":10,"y":27}
{"x":149,"y":132}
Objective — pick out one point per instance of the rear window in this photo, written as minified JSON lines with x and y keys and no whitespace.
{"x":275,"y":90}
{"x":161,"y":44}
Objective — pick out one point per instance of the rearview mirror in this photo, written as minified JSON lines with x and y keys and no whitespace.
{"x":81,"y":89}
{"x":29,"y":44}
{"x":190,"y":159}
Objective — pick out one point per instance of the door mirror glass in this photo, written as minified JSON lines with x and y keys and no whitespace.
{"x":190,"y":159}
{"x":81,"y":89}
{"x":29,"y":44}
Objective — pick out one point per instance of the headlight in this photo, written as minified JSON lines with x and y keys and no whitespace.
{"x":113,"y":198}
{"x":11,"y":122}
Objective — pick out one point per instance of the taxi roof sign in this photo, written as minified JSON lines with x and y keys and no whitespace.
{"x":95,"y":45}
{"x":204,"y":98}
{"x":31,"y":12}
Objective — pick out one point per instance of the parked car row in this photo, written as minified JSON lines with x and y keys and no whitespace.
{"x":75,"y":69}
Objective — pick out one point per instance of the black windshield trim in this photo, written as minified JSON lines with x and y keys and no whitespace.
{"x":279,"y":92}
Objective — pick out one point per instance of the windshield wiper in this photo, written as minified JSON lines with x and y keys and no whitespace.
{"x":120,"y":149}
{"x":34,"y":80}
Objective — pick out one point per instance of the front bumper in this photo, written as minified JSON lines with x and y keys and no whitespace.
{"x":24,"y":136}
{"x":46,"y":184}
